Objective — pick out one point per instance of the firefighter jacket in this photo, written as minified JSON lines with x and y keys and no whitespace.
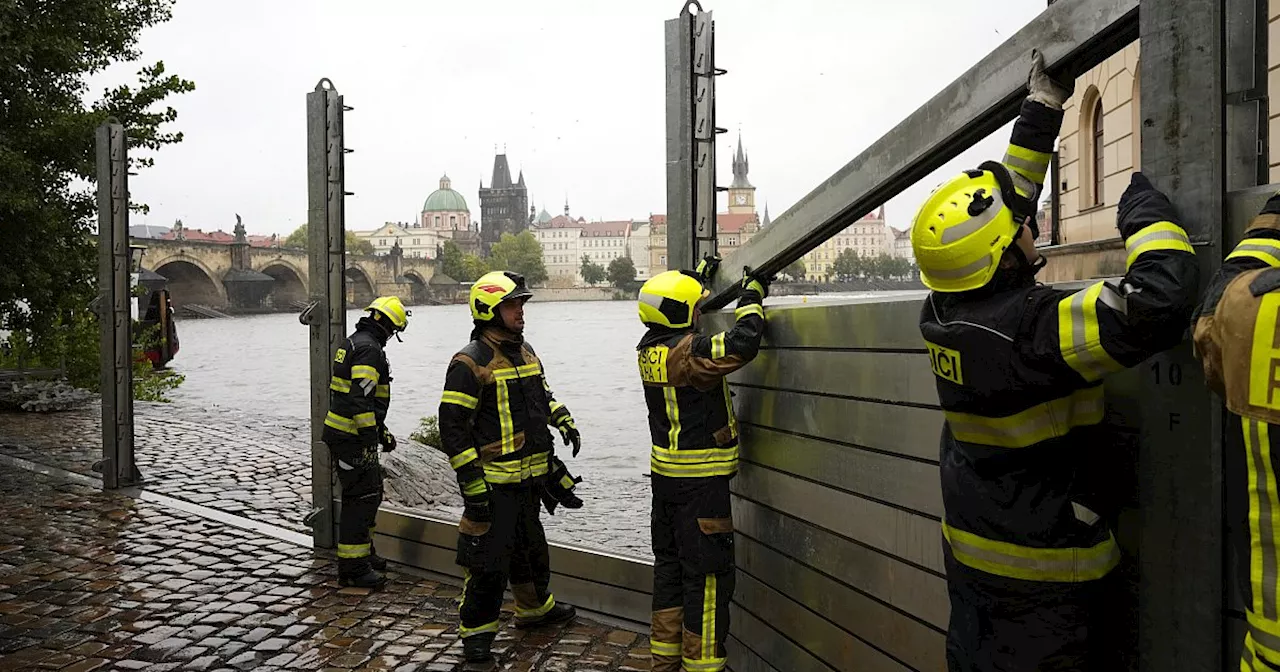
{"x":1019,"y":369}
{"x":495,"y":412}
{"x":360,"y":388}
{"x":1237,"y":338}
{"x":691,"y":421}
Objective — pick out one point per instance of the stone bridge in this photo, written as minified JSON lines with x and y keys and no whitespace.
{"x":238,"y":277}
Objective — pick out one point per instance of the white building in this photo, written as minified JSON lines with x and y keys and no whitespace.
{"x":603,"y":242}
{"x":415,"y":241}
{"x":561,"y":240}
{"x":902,"y":244}
{"x":638,"y":248}
{"x":868,"y":237}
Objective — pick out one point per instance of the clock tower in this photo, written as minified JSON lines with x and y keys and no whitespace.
{"x":742,"y":196}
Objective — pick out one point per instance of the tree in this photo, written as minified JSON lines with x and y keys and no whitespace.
{"x":473,"y":267}
{"x":355,"y":245}
{"x":453,"y":263}
{"x":848,"y":265}
{"x":796,"y":270}
{"x":592,"y":273}
{"x":47,"y":149}
{"x":622,"y":272}
{"x":519,"y":253}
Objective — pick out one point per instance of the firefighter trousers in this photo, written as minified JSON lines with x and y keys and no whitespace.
{"x":512,"y":547}
{"x":693,"y":574}
{"x":360,"y":475}
{"x":1000,"y":624}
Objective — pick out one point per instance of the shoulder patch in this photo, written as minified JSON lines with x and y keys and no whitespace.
{"x":945,"y":363}
{"x":478,"y":352}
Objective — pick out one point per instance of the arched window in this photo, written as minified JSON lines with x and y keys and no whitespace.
{"x":1099,"y":174}
{"x":1137,"y":116}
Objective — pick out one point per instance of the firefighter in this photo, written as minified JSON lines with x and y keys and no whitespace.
{"x":359,"y":395}
{"x":494,"y":417}
{"x":695,"y":453}
{"x":1019,"y":369}
{"x":1236,"y":333}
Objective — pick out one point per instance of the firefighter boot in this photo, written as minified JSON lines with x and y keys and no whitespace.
{"x":560,"y":613}
{"x":476,"y":652}
{"x":357,"y":573}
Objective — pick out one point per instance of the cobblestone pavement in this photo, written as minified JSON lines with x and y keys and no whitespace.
{"x":98,"y":581}
{"x":260,"y":468}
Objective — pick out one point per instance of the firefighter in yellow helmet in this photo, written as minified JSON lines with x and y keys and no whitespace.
{"x":1236,"y":331}
{"x":1019,"y":369}
{"x":359,"y":395}
{"x":694,"y":454}
{"x":494,"y":418}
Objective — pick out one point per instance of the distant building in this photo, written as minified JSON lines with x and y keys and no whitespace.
{"x":416,"y":241}
{"x":867,"y":237}
{"x":603,"y":242}
{"x":445,"y":210}
{"x":742,"y":196}
{"x":902,"y":245}
{"x":503,"y":205}
{"x":733,"y":230}
{"x":638,"y":244}
{"x":181,"y":232}
{"x":561,"y":240}
{"x":147,"y":231}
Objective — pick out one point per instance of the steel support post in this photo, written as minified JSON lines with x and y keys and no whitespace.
{"x":691,"y":137}
{"x":1184,"y":150}
{"x":326,"y":312}
{"x":116,"y":361}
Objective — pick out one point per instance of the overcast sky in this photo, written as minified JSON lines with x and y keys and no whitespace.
{"x":573,"y":89}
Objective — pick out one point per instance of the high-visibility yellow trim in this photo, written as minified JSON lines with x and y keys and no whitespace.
{"x":566,"y":482}
{"x":669,"y":649}
{"x":1029,"y":163}
{"x":749,"y":309}
{"x":523,"y":371}
{"x":728,"y":407}
{"x":709,"y":617}
{"x":365,"y":420}
{"x":506,"y":425}
{"x":1264,"y":502}
{"x":464,"y":458}
{"x":464,"y":631}
{"x":1264,"y":249}
{"x":1029,"y":563}
{"x":354,"y":550}
{"x":364,"y":371}
{"x":516,"y":471}
{"x":1264,"y":359}
{"x":694,"y":463}
{"x":704,"y":665}
{"x":673,"y":417}
{"x":473,"y":488}
{"x":1041,"y":422}
{"x":339,"y":384}
{"x":1264,"y":634}
{"x":1158,"y":236}
{"x":340,"y":423}
{"x":537,"y":611}
{"x":382,"y":391}
{"x":459,"y":398}
{"x":1079,"y":337}
{"x":717,"y":346}
{"x":554,"y":406}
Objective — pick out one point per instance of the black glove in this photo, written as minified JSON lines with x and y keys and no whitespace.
{"x":1142,"y":205}
{"x":707,"y":268}
{"x":569,"y":432}
{"x":756,"y":282}
{"x":387,"y":440}
{"x":478,"y":511}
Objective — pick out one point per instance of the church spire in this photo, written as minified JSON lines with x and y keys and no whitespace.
{"x":740,"y":167}
{"x":766,"y":215}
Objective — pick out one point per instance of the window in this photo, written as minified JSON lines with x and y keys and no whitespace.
{"x":1099,"y":174}
{"x":453,"y":221}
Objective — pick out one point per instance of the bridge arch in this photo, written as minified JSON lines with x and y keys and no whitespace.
{"x":191,"y":281}
{"x":360,"y":286}
{"x":289,"y":288}
{"x":421,"y":290}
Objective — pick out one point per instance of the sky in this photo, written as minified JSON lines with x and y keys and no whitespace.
{"x":572,"y":89}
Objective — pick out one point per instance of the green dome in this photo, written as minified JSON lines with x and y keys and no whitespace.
{"x":445,"y":199}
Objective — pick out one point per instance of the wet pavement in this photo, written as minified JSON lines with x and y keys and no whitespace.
{"x":102,"y":581}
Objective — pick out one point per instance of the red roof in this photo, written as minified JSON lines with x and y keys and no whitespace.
{"x":874,"y":216}
{"x":222,"y":237}
{"x":596,"y":229}
{"x":734,"y":223}
{"x":562,"y":222}
{"x":657,"y":220}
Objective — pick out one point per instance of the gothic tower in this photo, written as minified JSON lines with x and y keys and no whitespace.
{"x":742,"y":196}
{"x":503,"y":205}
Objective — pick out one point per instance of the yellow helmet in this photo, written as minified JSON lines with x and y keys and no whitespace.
{"x":961,"y":232}
{"x":493,"y":288}
{"x":393,"y":309}
{"x":668,"y":299}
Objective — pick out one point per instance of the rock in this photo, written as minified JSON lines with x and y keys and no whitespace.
{"x":43,"y":396}
{"x":418,"y":477}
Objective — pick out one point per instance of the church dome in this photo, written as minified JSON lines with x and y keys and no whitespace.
{"x":445,"y":199}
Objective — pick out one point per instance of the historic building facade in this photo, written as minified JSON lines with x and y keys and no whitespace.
{"x":504,"y":205}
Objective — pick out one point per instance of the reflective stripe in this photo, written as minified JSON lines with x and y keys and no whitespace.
{"x":516,"y":471}
{"x":464,"y":458}
{"x":694,"y":463}
{"x":1262,"y":520}
{"x":1030,"y":563}
{"x":459,"y":398}
{"x":709,"y":618}
{"x":339,"y":384}
{"x":669,"y":649}
{"x":1158,"y":236}
{"x":750,"y":309}
{"x":728,"y":407}
{"x":1265,"y":634}
{"x":554,"y":406}
{"x":340,"y":423}
{"x":464,"y":631}
{"x":1264,"y":249}
{"x":1079,"y":337}
{"x":982,"y":263}
{"x":1031,"y":164}
{"x":518,"y":372}
{"x":1041,"y":422}
{"x":536,"y":612}
{"x":973,"y":224}
{"x":1246,"y":655}
{"x":566,"y":482}
{"x":705,"y":665}
{"x":505,"y":423}
{"x":363,"y":371}
{"x":473,"y":488}
{"x":673,"y":417}
{"x":363,"y":420}
{"x":382,"y":392}
{"x":717,"y":346}
{"x":354,"y":550}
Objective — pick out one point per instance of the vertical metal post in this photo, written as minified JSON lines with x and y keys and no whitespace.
{"x":326,"y":312}
{"x":1246,"y":93}
{"x":1180,"y":445}
{"x":114,"y":316}
{"x":691,"y":137}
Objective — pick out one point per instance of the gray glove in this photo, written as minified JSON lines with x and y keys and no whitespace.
{"x":1042,"y":88}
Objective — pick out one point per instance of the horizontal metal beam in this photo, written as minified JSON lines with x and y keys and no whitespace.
{"x":1074,"y":36}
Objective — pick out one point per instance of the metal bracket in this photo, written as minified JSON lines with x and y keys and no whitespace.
{"x":307,"y":316}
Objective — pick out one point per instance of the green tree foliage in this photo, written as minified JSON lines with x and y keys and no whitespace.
{"x":474,"y":266}
{"x":428,"y":432}
{"x":355,"y":245}
{"x":622,"y":272}
{"x":592,"y":273}
{"x":849,"y":266}
{"x":796,"y":270}
{"x":453,"y":263}
{"x":47,"y":149}
{"x":520,"y":253}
